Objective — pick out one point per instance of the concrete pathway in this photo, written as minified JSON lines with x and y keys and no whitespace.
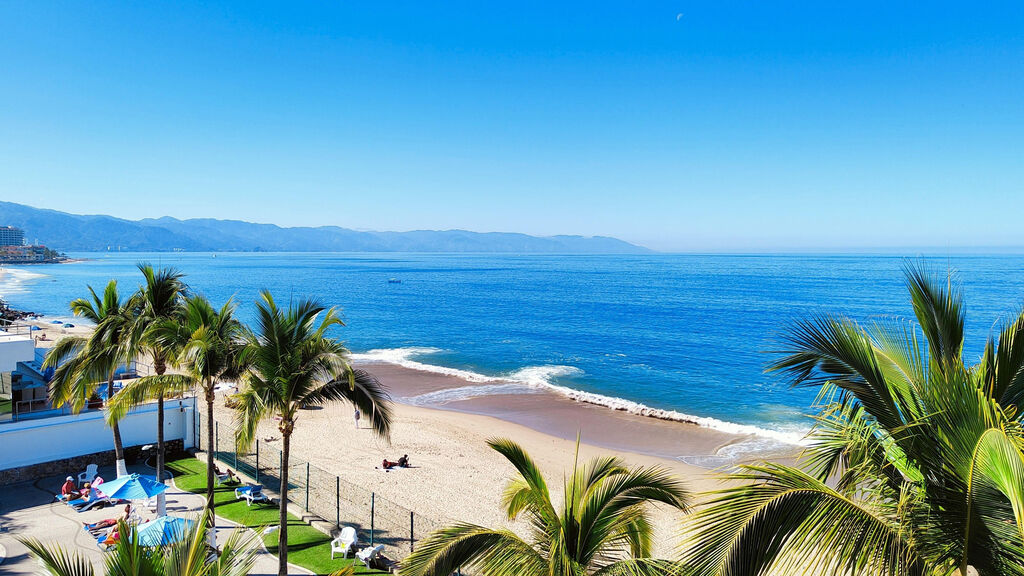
{"x":28,"y":510}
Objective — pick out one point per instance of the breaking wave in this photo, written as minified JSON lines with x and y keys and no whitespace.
{"x":14,"y":280}
{"x":535,"y":378}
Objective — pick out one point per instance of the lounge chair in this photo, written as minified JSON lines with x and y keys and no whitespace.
{"x":251,"y":493}
{"x":370,"y":555}
{"x":88,"y":475}
{"x":345,"y":541}
{"x":225,"y":477}
{"x":94,"y":499}
{"x":105,"y":542}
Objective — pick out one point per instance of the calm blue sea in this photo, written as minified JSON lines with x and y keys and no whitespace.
{"x":687,"y":333}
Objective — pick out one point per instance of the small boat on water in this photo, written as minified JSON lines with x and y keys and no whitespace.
{"x":394,"y":281}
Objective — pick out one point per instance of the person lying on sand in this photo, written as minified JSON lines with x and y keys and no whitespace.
{"x":402,"y":462}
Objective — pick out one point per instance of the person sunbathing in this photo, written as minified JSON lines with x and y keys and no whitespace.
{"x":104,"y":524}
{"x":402,"y":462}
{"x":110,"y":538}
{"x":231,"y":477}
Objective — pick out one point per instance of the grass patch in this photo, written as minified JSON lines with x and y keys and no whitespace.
{"x":307,"y":546}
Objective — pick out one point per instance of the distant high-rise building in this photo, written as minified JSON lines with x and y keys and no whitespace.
{"x":11,"y":236}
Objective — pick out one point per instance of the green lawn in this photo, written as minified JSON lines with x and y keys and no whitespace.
{"x":307,"y":546}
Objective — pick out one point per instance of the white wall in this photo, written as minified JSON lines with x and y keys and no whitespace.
{"x":15,"y":348}
{"x":47,"y":439}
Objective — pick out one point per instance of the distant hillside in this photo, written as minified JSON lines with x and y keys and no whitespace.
{"x":75,"y":232}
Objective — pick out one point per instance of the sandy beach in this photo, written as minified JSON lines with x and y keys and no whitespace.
{"x":456,"y":476}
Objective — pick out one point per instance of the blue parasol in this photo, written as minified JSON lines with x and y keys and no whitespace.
{"x":162,"y":531}
{"x":132,"y":487}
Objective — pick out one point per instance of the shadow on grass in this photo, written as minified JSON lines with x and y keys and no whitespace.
{"x":307,"y":546}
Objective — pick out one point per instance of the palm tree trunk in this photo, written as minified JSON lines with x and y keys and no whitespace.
{"x":161,"y":500}
{"x":282,"y":536}
{"x":122,"y":469}
{"x":210,"y":504}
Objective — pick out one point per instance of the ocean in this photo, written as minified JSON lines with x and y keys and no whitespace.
{"x":686,"y":336}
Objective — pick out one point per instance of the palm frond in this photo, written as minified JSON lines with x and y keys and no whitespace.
{"x":56,"y":561}
{"x":142,"y":390}
{"x":940,"y":314}
{"x":361,"y":389}
{"x":481,"y":550}
{"x":786,"y":520}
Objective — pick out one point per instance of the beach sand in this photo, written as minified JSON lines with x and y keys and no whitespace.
{"x":457,"y":477}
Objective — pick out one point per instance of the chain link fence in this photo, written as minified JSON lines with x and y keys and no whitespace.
{"x":377,"y":520}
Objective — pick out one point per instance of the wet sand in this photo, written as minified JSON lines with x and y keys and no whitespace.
{"x":551,"y":413}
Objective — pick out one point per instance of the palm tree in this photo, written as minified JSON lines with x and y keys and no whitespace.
{"x":291,"y":363}
{"x":206,"y":344}
{"x":915,"y":463}
{"x":82,"y":363}
{"x":189,"y":556}
{"x":603,"y":527}
{"x":157,"y":301}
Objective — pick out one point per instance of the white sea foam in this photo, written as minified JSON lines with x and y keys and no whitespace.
{"x":14,"y":280}
{"x":541,"y":377}
{"x":404,"y":357}
{"x":441,"y":397}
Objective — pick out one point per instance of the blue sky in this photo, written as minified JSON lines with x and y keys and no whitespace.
{"x":681,"y":125}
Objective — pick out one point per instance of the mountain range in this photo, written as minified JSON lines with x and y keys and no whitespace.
{"x":90,"y":233}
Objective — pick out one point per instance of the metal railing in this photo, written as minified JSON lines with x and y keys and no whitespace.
{"x":377,"y":520}
{"x":15,"y":327}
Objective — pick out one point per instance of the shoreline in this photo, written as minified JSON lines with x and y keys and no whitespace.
{"x":553,"y":414}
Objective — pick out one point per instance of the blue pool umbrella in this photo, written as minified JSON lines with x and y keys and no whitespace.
{"x":132,"y":487}
{"x":55,"y":322}
{"x":164,"y":530}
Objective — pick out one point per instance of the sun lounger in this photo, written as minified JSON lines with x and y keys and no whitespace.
{"x":370,"y":555}
{"x":94,"y":499}
{"x":105,"y":543}
{"x":252,"y":493}
{"x":345,"y":541}
{"x":225,"y":477}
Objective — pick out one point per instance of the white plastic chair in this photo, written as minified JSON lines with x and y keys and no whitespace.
{"x":88,"y":475}
{"x":345,"y":541}
{"x":369,"y":555}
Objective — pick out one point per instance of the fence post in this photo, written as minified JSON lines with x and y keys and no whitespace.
{"x":373,"y":497}
{"x":236,"y":453}
{"x":257,"y":460}
{"x":412,"y":520}
{"x":307,"y":486}
{"x":337,"y":502}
